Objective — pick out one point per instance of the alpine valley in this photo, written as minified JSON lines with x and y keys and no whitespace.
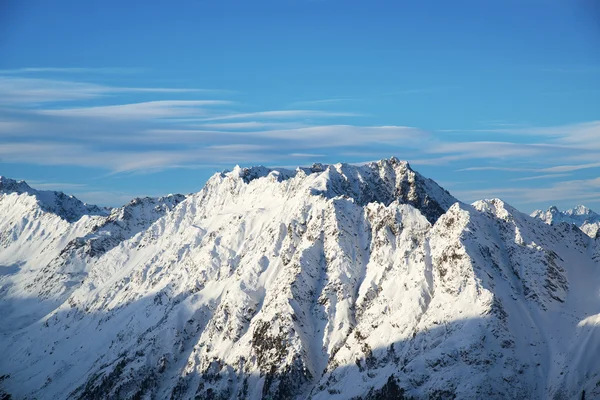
{"x":329,"y":282}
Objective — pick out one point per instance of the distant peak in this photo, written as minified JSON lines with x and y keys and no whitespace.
{"x":67,"y":207}
{"x":496,"y":206}
{"x":147,"y":200}
{"x":587,"y":220}
{"x":317,"y":167}
{"x":392,"y":161}
{"x":9,"y":185}
{"x":395,"y":161}
{"x":579,"y":210}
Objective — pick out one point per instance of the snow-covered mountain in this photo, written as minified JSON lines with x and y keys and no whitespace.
{"x":587,"y":220}
{"x":47,"y":240}
{"x":335,"y":281}
{"x":64,"y":206}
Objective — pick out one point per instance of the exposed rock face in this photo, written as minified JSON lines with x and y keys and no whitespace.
{"x":326,"y":282}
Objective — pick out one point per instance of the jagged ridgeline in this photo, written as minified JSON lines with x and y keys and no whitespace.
{"x":329,"y":282}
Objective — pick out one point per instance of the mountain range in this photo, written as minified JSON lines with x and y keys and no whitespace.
{"x":329,"y":282}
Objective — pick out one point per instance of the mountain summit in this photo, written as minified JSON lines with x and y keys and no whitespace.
{"x":382,"y":182}
{"x":328,"y":282}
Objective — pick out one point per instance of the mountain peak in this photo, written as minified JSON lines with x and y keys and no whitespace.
{"x":580,"y":210}
{"x":380,"y":181}
{"x":68,"y":207}
{"x":8,"y":185}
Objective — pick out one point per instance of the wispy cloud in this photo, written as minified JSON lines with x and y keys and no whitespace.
{"x":578,"y":133}
{"x":18,"y":90}
{"x":111,"y":197}
{"x":73,"y":70}
{"x":554,"y":169}
{"x":532,"y":178}
{"x":336,"y":135}
{"x":174,"y":148}
{"x":569,"y":168}
{"x":498,"y":150}
{"x":581,"y":190}
{"x":189,"y":128}
{"x":248,"y":125}
{"x":282,"y":114}
{"x":438,"y":160}
{"x":306,"y":155}
{"x":149,"y":109}
{"x":62,"y":186}
{"x":490,"y":168}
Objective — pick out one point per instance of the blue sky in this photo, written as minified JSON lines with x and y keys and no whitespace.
{"x":108,"y":99}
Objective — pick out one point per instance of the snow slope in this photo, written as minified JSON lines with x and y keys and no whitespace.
{"x":327,"y":282}
{"x":47,"y":239}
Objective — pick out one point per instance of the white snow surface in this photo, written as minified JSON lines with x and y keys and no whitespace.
{"x":330,"y":282}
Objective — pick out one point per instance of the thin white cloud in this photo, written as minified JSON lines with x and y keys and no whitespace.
{"x":495,"y":150}
{"x":75,"y":70}
{"x":13,"y":126}
{"x":570,"y":168}
{"x":16,"y":90}
{"x":250,"y":125}
{"x":109,"y":198}
{"x":585,"y":133}
{"x":282,"y":114}
{"x":504,"y":123}
{"x":571,"y":190}
{"x":169,"y":148}
{"x":239,"y":147}
{"x":439,"y":160}
{"x":326,"y":136}
{"x":488,"y":168}
{"x":29,"y":90}
{"x":62,"y":186}
{"x":556,"y":168}
{"x":319,"y":136}
{"x":533,"y":178}
{"x":149,"y":109}
{"x":306,"y":155}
